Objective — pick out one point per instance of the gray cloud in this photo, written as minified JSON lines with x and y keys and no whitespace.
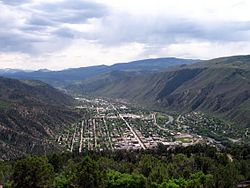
{"x":66,"y":33}
{"x":74,"y":11}
{"x":14,"y":41}
{"x":168,"y":30}
{"x":41,"y":27}
{"x":15,"y":2}
{"x":41,"y":20}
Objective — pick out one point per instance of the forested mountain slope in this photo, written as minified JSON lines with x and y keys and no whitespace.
{"x":219,"y":86}
{"x":31,"y":112}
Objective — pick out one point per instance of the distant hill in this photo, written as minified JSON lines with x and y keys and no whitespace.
{"x":65,"y":77}
{"x":31,"y":113}
{"x":219,"y":86}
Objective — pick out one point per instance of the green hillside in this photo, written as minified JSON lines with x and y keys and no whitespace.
{"x":219,"y":87}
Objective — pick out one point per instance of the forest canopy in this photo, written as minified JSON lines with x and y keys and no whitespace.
{"x":198,"y":166}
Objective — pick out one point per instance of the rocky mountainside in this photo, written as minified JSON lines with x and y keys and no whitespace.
{"x":31,"y":113}
{"x":219,"y":87}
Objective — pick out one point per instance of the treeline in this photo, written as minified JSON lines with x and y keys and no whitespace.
{"x":198,"y":166}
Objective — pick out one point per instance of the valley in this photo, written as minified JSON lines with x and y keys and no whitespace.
{"x":131,"y":106}
{"x":124,"y":94}
{"x":111,"y":124}
{"x":219,"y":87}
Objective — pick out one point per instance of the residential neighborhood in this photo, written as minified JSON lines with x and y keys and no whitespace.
{"x":116,"y":125}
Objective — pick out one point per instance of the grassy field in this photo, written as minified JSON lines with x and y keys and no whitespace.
{"x":161,"y":118}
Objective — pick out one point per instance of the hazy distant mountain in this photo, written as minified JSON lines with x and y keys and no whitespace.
{"x":12,"y":71}
{"x":64,"y":77}
{"x":157,"y":64}
{"x":220,"y":86}
{"x":31,"y":112}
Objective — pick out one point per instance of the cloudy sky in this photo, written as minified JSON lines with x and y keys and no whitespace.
{"x":58,"y":34}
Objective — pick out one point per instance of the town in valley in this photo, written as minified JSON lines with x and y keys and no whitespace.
{"x":117,"y":125}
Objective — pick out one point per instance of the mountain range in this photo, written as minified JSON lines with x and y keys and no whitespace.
{"x":218,"y":87}
{"x":33,"y":112}
{"x":67,"y":76}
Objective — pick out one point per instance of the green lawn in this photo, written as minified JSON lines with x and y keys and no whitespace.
{"x":161,"y":118}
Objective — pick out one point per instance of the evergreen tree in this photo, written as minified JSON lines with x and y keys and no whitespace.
{"x":33,"y":172}
{"x":89,"y":175}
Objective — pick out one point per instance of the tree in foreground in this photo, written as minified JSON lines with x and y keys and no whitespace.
{"x":119,"y":180}
{"x":89,"y":175}
{"x":33,"y":172}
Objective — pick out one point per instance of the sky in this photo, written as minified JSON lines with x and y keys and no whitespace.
{"x":60,"y":34}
